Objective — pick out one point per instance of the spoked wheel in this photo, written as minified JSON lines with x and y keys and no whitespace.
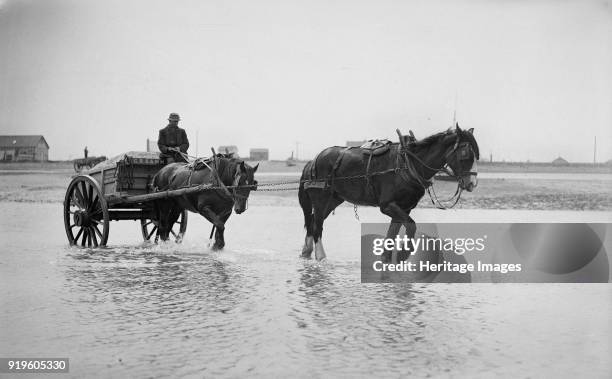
{"x":85,"y":213}
{"x":150,"y":228}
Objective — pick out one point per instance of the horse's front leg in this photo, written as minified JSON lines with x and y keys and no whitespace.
{"x":216,"y":220}
{"x":220,"y":233}
{"x":398,"y":217}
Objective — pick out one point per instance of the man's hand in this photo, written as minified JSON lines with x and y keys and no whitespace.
{"x":173,"y":149}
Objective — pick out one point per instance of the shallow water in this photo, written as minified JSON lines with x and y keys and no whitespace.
{"x":256,"y":309}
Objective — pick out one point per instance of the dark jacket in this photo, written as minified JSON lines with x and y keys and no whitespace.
{"x":172,"y":136}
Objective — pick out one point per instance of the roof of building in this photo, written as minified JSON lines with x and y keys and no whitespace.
{"x":21,"y":141}
{"x":560,"y":160}
{"x":259,"y":150}
{"x":222,"y":148}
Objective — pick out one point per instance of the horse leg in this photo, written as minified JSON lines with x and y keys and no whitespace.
{"x":306,"y":205}
{"x":214,"y":219}
{"x":398,"y":217}
{"x":323,"y":207}
{"x":173,"y":216}
{"x":410,"y":226}
{"x":163,"y":211}
{"x":394,"y":228}
{"x":220,"y":232}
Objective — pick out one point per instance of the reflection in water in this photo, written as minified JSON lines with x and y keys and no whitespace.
{"x":177,"y":311}
{"x":157,"y":296}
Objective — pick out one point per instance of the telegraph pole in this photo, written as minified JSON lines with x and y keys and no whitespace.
{"x":595,"y":151}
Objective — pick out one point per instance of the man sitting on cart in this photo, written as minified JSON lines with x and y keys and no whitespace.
{"x":172,"y":141}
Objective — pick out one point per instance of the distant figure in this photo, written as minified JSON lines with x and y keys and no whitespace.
{"x":172,"y":141}
{"x":86,"y":152}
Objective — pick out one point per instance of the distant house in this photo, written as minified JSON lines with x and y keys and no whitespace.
{"x":24,"y":148}
{"x":259,"y":154}
{"x":228,"y":149}
{"x":355,"y":143}
{"x":152,"y":145}
{"x":560,"y":162}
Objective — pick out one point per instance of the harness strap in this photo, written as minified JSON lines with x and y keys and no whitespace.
{"x":369,"y":183}
{"x":335,"y":167}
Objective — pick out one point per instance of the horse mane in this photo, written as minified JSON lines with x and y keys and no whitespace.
{"x":472,"y":140}
{"x":227,"y":165}
{"x":435,"y":138}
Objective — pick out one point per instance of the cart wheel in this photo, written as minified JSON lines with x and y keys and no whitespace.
{"x":150,"y":227}
{"x":85,"y":213}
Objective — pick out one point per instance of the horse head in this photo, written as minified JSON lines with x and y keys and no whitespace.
{"x":462,"y":157}
{"x":243,"y":183}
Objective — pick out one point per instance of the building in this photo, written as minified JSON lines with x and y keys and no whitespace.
{"x":560,"y":162}
{"x":24,"y":148}
{"x":152,"y":145}
{"x":228,"y":149}
{"x":355,"y":143}
{"x":259,"y":154}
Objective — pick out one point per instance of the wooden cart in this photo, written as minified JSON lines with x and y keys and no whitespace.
{"x":117,"y":189}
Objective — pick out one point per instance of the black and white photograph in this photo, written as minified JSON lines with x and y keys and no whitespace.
{"x":306,"y":189}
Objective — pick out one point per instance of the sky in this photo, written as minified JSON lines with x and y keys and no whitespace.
{"x":534,"y":78}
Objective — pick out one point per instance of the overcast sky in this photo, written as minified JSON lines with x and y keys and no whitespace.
{"x":534,"y":78}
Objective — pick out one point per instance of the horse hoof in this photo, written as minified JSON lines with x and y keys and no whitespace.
{"x":217,"y":247}
{"x":402,"y":256}
{"x":319,"y":251}
{"x":306,"y":252}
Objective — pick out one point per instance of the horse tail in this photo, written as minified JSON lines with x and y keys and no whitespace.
{"x":304,"y":198}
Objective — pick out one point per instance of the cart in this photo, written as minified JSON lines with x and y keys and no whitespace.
{"x":118,"y":189}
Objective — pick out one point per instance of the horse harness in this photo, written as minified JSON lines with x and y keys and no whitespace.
{"x":407,"y":171}
{"x":372,"y":148}
{"x":212,"y":164}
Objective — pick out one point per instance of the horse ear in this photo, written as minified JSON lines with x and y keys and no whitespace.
{"x":242,"y":168}
{"x":457,"y":128}
{"x":255,"y":168}
{"x":471,"y":130}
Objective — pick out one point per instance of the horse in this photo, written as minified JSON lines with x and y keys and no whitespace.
{"x":214,"y":204}
{"x":394,"y":181}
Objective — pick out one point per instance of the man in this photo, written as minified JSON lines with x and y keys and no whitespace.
{"x":172,"y":141}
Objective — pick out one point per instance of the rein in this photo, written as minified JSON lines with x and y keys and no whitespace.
{"x":428,"y":184}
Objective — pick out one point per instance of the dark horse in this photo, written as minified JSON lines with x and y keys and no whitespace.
{"x":394,"y":181}
{"x":215,"y":204}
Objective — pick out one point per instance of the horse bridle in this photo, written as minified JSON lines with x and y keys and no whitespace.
{"x":461,"y":149}
{"x":236,"y":184}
